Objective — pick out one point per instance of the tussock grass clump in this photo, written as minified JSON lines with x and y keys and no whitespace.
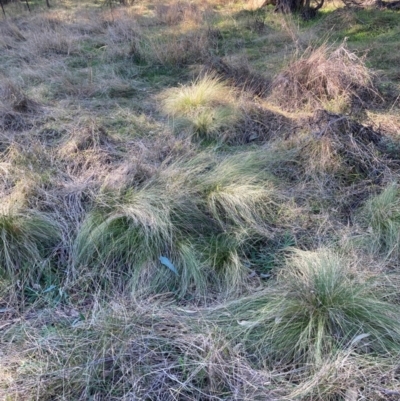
{"x":353,"y":147}
{"x":339,"y":158}
{"x":204,"y":109}
{"x":323,"y":75}
{"x":204,"y":92}
{"x":126,"y":239}
{"x":380,"y":217}
{"x":203,"y":214}
{"x":16,"y":109}
{"x":27,"y":240}
{"x":10,"y":33}
{"x":319,"y":306}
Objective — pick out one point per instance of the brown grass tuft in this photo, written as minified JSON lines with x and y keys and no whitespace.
{"x":177,"y":48}
{"x":16,"y":109}
{"x":89,"y":154}
{"x":323,"y":75}
{"x":260,"y":124}
{"x":339,"y":146}
{"x":241,"y":75}
{"x":9,"y":31}
{"x":335,"y":164}
{"x":178,"y":12}
{"x":187,"y":37}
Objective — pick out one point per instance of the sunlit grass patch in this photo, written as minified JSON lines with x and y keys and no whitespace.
{"x":174,"y":48}
{"x":204,"y":92}
{"x":180,"y":12}
{"x":205,"y":108}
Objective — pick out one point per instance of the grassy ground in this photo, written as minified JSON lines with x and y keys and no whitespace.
{"x":199,"y":201}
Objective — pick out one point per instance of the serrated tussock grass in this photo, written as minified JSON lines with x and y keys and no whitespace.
{"x":380,"y":221}
{"x":203,"y":214}
{"x":318,"y":306}
{"x":27,"y":240}
{"x":111,"y":158}
{"x":204,"y":109}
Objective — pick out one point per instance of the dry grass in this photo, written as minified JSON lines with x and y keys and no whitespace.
{"x":175,"y":48}
{"x":96,"y":185}
{"x":241,"y":75}
{"x":349,"y":376}
{"x":17,"y":111}
{"x":187,"y":38}
{"x":123,"y":351}
{"x":324,"y":75}
{"x":342,"y":142}
{"x":340,"y":152}
{"x":181,"y":12}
